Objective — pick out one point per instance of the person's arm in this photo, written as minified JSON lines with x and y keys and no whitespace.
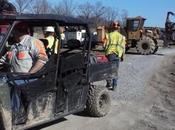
{"x":124,"y":45}
{"x":38,"y":65}
{"x":105,"y":40}
{"x":40,"y":53}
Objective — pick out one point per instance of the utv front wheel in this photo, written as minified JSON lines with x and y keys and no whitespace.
{"x":98,"y":103}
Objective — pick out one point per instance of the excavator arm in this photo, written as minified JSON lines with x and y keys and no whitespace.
{"x":170,"y":27}
{"x":168,"y":15}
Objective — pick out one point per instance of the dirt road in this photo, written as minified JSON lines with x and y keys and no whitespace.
{"x":144,"y":99}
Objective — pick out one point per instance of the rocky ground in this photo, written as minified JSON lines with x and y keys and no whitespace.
{"x":144,"y":99}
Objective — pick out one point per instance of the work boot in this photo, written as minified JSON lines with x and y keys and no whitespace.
{"x":113,"y":87}
{"x":109,"y":84}
{"x":114,"y":84}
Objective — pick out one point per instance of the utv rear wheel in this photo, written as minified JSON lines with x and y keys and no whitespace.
{"x":98,"y":103}
{"x":145,"y":46}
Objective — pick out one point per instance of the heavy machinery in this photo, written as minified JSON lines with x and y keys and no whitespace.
{"x":170,"y":28}
{"x":145,"y":41}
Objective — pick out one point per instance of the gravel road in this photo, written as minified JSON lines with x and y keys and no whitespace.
{"x":137,"y":101}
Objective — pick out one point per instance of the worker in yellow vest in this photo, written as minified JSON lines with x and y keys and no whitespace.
{"x":52,"y":40}
{"x":114,"y":50}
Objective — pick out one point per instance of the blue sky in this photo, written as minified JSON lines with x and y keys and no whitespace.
{"x":154,"y":10}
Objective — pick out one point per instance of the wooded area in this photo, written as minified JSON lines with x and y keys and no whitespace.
{"x":97,"y":14}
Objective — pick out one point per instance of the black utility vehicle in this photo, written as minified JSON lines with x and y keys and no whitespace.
{"x":71,"y":81}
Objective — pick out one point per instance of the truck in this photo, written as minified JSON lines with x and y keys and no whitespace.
{"x":75,"y":34}
{"x":68,"y":83}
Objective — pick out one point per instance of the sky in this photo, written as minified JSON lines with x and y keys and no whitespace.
{"x":153,"y":10}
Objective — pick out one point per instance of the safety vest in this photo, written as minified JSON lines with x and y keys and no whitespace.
{"x":115,"y":44}
{"x":51,"y":41}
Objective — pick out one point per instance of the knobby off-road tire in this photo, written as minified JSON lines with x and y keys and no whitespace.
{"x":156,"y":47}
{"x":99,"y":102}
{"x":146,"y":46}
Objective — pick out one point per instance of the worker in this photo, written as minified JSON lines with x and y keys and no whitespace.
{"x":62,"y":34}
{"x":27,"y":54}
{"x":114,"y":50}
{"x":52,"y":40}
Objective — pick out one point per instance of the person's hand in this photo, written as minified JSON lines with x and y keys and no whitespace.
{"x":122,"y":57}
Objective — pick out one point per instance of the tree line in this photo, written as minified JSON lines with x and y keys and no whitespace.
{"x":97,"y":14}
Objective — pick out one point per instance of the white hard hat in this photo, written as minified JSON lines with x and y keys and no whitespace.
{"x":49,"y":29}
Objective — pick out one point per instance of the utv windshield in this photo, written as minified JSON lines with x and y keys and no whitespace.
{"x":4,"y":27}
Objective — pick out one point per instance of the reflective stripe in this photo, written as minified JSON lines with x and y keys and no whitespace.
{"x":118,"y":45}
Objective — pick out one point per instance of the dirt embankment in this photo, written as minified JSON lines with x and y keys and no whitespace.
{"x":159,"y":105}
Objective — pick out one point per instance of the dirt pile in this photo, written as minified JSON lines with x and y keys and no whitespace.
{"x":159,"y":111}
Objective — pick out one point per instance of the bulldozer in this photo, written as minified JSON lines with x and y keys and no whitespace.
{"x":145,"y":41}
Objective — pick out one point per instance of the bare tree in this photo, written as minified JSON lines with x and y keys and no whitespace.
{"x":65,"y":7}
{"x":22,"y":5}
{"x":3,"y":1}
{"x":85,"y":10}
{"x":41,"y":7}
{"x":124,"y":15}
{"x":111,"y":14}
{"x":58,"y":9}
{"x":7,"y":7}
{"x":98,"y":11}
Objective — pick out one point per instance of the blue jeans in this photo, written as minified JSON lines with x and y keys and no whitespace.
{"x":114,"y":59}
{"x":16,"y":94}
